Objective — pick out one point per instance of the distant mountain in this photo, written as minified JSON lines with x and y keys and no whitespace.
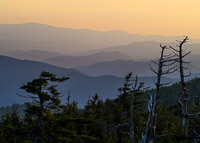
{"x":36,"y":55}
{"x":67,"y":41}
{"x":194,"y":59}
{"x":14,"y":73}
{"x":146,"y":50}
{"x":74,"y":61}
{"x":117,"y":68}
{"x":137,"y":50}
{"x":122,"y":67}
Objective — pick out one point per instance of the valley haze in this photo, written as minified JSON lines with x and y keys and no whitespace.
{"x":96,"y":62}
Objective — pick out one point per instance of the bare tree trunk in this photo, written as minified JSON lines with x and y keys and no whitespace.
{"x":150,"y":109}
{"x":163,"y":60}
{"x":156,"y":99}
{"x":184,"y":96}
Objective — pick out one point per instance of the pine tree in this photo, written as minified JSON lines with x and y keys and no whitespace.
{"x":44,"y":97}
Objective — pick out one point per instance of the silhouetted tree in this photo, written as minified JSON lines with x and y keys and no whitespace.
{"x":44,"y":97}
{"x":184,"y":98}
{"x":164,"y":61}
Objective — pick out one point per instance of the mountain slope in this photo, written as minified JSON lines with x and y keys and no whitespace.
{"x":137,"y":50}
{"x":147,"y":50}
{"x":122,"y":67}
{"x":194,"y":59}
{"x":74,"y":61}
{"x":36,"y":55}
{"x":14,"y":73}
{"x":117,"y":68}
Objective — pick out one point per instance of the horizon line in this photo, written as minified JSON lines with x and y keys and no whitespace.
{"x":96,"y":30}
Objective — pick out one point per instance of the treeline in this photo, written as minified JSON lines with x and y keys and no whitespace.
{"x":164,"y":114}
{"x":99,"y":121}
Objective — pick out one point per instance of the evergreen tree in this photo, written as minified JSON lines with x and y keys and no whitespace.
{"x":122,"y":114}
{"x":10,"y":126}
{"x":45,"y":97}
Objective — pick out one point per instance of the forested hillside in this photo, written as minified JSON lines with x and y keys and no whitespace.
{"x":99,"y":121}
{"x":80,"y":85}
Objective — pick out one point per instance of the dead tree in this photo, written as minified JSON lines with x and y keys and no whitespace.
{"x":165,"y":61}
{"x":183,"y":100}
{"x":130,"y":91}
{"x":150,"y":109}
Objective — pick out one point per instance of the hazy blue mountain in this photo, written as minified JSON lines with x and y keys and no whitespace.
{"x":137,"y":50}
{"x":67,"y":41}
{"x":36,"y":55}
{"x":117,"y":68}
{"x":14,"y":73}
{"x":74,"y":61}
{"x":146,"y":50}
{"x":122,"y":67}
{"x":194,"y":59}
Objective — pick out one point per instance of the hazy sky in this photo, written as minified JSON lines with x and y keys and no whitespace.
{"x":170,"y":17}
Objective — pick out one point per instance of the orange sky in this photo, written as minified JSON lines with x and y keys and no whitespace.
{"x":148,"y":17}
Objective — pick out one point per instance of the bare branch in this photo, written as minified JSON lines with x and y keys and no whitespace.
{"x":167,"y":55}
{"x":188,"y":74}
{"x":166,"y":58}
{"x":170,"y":60}
{"x":173,"y":49}
{"x":169,"y":71}
{"x":186,"y":54}
{"x":163,"y":84}
{"x":185,"y":68}
{"x":194,"y":114}
{"x":29,"y":97}
{"x":175,"y":53}
{"x":163,"y":47}
{"x":152,"y":69}
{"x":173,"y":62}
{"x":180,"y":101}
{"x":155,"y":62}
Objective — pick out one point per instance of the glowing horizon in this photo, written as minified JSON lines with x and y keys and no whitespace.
{"x":145,"y":17}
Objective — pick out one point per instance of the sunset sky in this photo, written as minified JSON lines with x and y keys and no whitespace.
{"x":148,"y":17}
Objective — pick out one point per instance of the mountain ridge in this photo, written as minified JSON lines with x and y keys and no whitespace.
{"x":66,"y":40}
{"x":84,"y":60}
{"x":14,"y":73}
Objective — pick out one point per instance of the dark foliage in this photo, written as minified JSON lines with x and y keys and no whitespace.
{"x":99,"y":121}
